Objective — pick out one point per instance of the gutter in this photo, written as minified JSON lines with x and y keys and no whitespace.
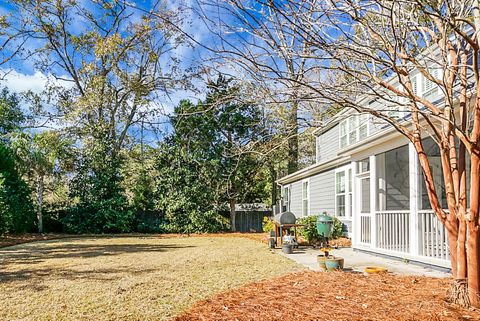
{"x":312,"y":170}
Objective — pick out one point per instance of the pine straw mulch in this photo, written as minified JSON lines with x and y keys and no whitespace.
{"x":333,"y":296}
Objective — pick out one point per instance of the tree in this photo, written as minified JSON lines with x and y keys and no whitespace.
{"x":16,"y":209}
{"x":372,"y":50}
{"x":42,"y":156}
{"x":236,"y":125}
{"x":210,"y":157}
{"x":109,"y":71}
{"x":11,"y":116}
{"x":267,"y":40}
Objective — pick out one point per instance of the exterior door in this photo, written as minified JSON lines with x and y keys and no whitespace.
{"x":363,"y":206}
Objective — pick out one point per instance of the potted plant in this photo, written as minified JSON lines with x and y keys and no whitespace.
{"x":328,"y":262}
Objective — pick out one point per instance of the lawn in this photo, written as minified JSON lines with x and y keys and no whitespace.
{"x":127,"y":278}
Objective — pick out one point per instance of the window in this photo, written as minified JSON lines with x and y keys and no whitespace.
{"x":340,"y":190}
{"x":343,"y":134}
{"x":363,"y":166}
{"x":353,"y":129}
{"x":428,"y":84}
{"x":286,"y":198}
{"x":343,"y":192}
{"x":430,"y":88}
{"x":414,"y":85}
{"x":363,"y":128}
{"x":305,"y":192}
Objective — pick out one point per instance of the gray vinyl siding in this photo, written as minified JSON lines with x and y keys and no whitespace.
{"x":328,"y":144}
{"x":296,"y":199}
{"x":322,"y":193}
{"x":377,"y":125}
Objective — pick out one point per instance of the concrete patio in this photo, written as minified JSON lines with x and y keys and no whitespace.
{"x":357,"y":261}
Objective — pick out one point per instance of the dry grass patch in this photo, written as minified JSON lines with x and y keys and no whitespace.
{"x":127,"y":278}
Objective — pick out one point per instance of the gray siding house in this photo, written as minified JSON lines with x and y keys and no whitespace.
{"x":368,"y":175}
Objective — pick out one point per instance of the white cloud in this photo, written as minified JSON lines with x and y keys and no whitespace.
{"x":19,"y":82}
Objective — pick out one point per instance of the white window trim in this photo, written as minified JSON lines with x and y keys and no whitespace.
{"x":357,"y":129}
{"x":307,"y":180}
{"x":286,"y":190}
{"x":348,"y":190}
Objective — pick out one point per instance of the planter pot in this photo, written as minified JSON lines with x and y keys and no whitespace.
{"x":375,"y":269}
{"x":321,"y":259}
{"x":287,"y":248}
{"x":334,"y":263}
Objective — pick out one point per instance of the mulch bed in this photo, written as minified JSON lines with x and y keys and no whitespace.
{"x":333,"y":296}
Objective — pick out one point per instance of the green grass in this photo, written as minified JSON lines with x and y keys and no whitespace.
{"x":127,"y":278}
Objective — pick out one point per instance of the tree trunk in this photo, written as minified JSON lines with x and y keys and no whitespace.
{"x":473,"y":261}
{"x":473,"y":235}
{"x":293,"y":139}
{"x":232,"y":214}
{"x":273,"y":177}
{"x":40,"y":188}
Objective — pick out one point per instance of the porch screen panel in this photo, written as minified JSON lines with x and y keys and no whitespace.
{"x":433,"y":152}
{"x":397,"y":179}
{"x":365,"y":197}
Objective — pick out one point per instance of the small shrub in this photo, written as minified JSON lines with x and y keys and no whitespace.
{"x":267,"y":225}
{"x":309,"y":231}
{"x":337,"y":228}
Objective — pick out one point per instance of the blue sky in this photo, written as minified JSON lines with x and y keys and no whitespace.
{"x":21,"y":74}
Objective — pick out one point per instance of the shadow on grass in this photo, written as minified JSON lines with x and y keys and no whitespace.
{"x":43,"y":252}
{"x":70,"y":274}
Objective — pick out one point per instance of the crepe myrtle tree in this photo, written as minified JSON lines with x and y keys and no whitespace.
{"x":365,"y":55}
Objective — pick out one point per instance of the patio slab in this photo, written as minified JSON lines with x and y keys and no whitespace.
{"x":357,"y":261}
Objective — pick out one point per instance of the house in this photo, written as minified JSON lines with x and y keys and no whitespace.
{"x":368,"y":175}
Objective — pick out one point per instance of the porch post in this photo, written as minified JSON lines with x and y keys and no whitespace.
{"x":355,"y":211}
{"x":414,"y":189}
{"x":373,"y":201}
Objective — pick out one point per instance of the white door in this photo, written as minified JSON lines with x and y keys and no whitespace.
{"x":364,"y":211}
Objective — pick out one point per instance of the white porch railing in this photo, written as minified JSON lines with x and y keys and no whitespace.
{"x":432,"y":239}
{"x":393,"y":230}
{"x":365,"y":228}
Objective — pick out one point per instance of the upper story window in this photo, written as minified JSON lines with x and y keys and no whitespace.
{"x":353,"y":129}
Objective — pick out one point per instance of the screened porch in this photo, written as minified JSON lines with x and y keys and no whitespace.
{"x":392,"y":211}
